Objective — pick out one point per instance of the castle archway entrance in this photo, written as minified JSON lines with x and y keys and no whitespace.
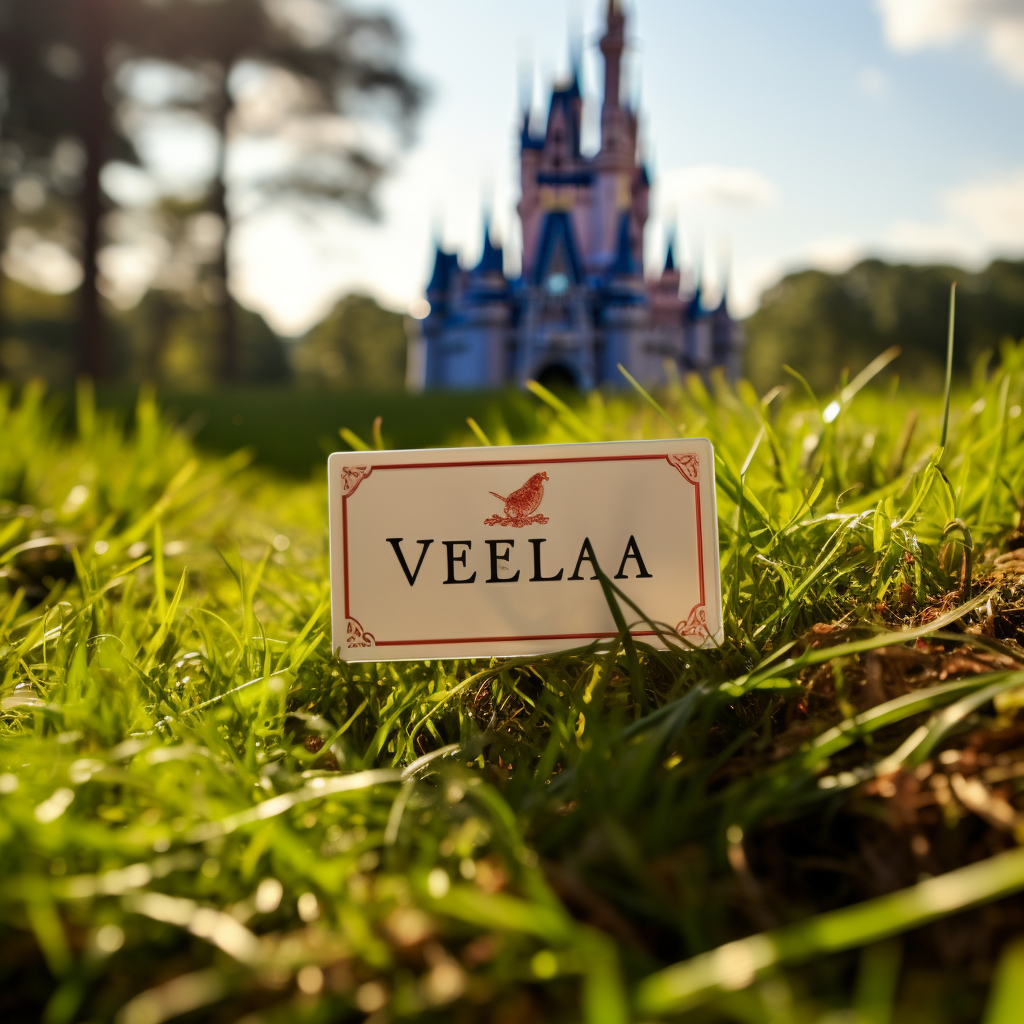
{"x":558,"y":377}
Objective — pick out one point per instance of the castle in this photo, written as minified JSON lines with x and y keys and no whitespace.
{"x":581,"y":305}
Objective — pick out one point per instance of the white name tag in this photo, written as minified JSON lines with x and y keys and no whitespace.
{"x":477,"y":552}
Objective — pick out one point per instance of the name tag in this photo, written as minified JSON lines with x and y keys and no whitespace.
{"x":480,"y":552}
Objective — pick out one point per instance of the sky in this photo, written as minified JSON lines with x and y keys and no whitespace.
{"x":778,"y":136}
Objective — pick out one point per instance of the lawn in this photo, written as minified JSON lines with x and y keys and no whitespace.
{"x":205,"y":816}
{"x":293,"y":430}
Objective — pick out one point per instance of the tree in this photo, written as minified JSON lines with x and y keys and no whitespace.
{"x":823,"y":323}
{"x":34,"y":110}
{"x":95,"y":32}
{"x":358,"y":344}
{"x":330,"y":75}
{"x":58,"y":128}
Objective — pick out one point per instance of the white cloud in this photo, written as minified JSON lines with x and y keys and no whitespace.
{"x":979,"y":220}
{"x":835,"y":254}
{"x":911,"y":25}
{"x":706,"y":185}
{"x":941,"y":242}
{"x":982,"y":219}
{"x":994,"y":209}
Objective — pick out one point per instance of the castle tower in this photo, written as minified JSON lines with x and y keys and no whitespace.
{"x":529,"y":208}
{"x":625,"y":312}
{"x":666,"y":303}
{"x":727,"y":337}
{"x":613,"y":42}
{"x":621,"y":185}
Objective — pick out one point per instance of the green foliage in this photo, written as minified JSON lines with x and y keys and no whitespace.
{"x":36,"y":329}
{"x":358,"y":345}
{"x":186,"y":349}
{"x":825,"y":322}
{"x":161,"y":339}
{"x":71,"y":102}
{"x":347,"y":66}
{"x":202,"y":811}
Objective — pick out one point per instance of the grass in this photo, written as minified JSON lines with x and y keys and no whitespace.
{"x":204,"y":816}
{"x":292,"y":431}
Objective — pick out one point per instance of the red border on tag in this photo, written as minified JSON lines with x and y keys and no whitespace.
{"x":348,"y":492}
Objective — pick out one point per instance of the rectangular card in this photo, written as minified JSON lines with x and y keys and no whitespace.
{"x":480,"y":552}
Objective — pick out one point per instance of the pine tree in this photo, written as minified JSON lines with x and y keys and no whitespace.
{"x":57,"y":130}
{"x":333,"y":70}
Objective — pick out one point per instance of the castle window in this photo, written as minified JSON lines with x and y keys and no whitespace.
{"x":558,"y":283}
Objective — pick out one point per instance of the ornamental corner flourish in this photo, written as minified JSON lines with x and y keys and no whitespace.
{"x":688,"y":464}
{"x":356,"y":636}
{"x":695,"y":624}
{"x":352,"y":477}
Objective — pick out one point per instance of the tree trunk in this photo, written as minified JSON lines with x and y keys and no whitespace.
{"x":95,"y":29}
{"x":4,"y":200}
{"x":230,"y":362}
{"x":161,"y":323}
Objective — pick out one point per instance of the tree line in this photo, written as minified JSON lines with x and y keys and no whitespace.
{"x":824,"y":323}
{"x":74,"y":102}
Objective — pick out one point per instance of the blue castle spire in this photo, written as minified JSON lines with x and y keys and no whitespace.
{"x":492,"y":259}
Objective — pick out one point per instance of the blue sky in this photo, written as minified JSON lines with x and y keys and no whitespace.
{"x":780,"y":134}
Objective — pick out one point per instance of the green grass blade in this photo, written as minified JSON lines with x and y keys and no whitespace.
{"x":478,"y":432}
{"x":736,"y":965}
{"x":949,"y":366}
{"x":677,"y":428}
{"x":1006,"y":998}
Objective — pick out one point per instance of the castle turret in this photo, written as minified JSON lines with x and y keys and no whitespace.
{"x":530,"y":149}
{"x":477,"y":337}
{"x":666,"y":303}
{"x":626,"y":314}
{"x":639,"y":207}
{"x":440,"y":294}
{"x":492,"y":258}
{"x":624,"y":265}
{"x":698,"y":349}
{"x":727,"y":337}
{"x":616,"y":160}
{"x":613,"y":42}
{"x":668,"y":312}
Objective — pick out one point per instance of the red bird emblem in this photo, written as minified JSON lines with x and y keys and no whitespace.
{"x":521,"y":505}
